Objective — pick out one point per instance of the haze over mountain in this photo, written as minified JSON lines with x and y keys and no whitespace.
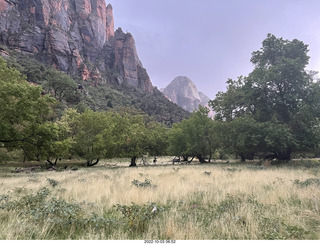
{"x":184,"y":92}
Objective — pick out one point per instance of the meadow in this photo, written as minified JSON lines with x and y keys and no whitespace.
{"x":164,"y":201}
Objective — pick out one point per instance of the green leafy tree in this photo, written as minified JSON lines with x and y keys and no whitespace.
{"x":279,"y":94}
{"x":244,"y":136}
{"x":133,"y":138}
{"x":63,"y":87}
{"x":157,"y":139}
{"x":92,"y":134}
{"x":178,"y":140}
{"x":23,"y":109}
{"x":61,"y":143}
{"x":195,"y":137}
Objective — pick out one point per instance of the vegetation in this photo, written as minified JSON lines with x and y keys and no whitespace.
{"x":273,"y":114}
{"x":103,"y":95}
{"x":194,"y":137}
{"x":240,"y":203}
{"x":278,"y":103}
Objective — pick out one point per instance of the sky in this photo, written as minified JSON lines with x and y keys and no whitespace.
{"x":210,"y":41}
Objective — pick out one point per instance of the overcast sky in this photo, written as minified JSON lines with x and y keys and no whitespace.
{"x":210,"y":41}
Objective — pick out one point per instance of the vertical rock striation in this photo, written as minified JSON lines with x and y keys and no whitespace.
{"x":128,"y":63}
{"x":75,"y":36}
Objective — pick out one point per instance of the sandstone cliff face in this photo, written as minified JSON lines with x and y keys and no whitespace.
{"x":128,"y":63}
{"x":183,"y":92}
{"x":76,"y":36}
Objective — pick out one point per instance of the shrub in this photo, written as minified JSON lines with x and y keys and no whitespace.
{"x":52,"y":182}
{"x":63,"y":218}
{"x":138,"y":216}
{"x":307,"y":182}
{"x":145,"y":183}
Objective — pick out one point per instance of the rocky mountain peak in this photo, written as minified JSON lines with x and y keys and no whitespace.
{"x":184,"y":92}
{"x":75,"y":36}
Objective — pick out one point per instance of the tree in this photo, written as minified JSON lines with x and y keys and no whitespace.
{"x":279,"y":94}
{"x":23,"y":109}
{"x":92,"y":134}
{"x":194,"y":137}
{"x":178,"y":140}
{"x":244,"y":136}
{"x":61,"y":142}
{"x":133,"y":137}
{"x":63,"y":87}
{"x":157,"y":139}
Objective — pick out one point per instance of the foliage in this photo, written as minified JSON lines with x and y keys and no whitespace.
{"x":66,"y":220}
{"x":102,"y":96}
{"x":52,"y":182}
{"x":195,"y":137}
{"x":63,"y":87}
{"x":139,"y":216}
{"x":97,"y":135}
{"x":92,"y":134}
{"x":145,"y":183}
{"x":307,"y":182}
{"x":278,"y":99}
{"x":24,"y":112}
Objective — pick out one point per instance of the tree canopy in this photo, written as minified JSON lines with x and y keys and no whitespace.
{"x":279,"y":96}
{"x":23,"y":111}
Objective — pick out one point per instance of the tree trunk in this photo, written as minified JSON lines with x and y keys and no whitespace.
{"x":52,"y":163}
{"x":210,"y":156}
{"x":133,"y":162}
{"x":243,"y":158}
{"x":201,"y":159}
{"x":90,"y":164}
{"x":284,"y":156}
{"x":184,"y":158}
{"x":189,"y":162}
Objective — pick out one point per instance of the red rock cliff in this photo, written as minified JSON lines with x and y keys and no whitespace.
{"x":76,"y":36}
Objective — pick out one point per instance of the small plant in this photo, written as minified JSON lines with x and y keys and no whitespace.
{"x":138,"y":216}
{"x":233,"y":169}
{"x":277,"y":229}
{"x":308,"y":182}
{"x":230,"y":205}
{"x":176,"y":169}
{"x":52,"y":182}
{"x":145,"y":183}
{"x":100,"y":223}
{"x":3,"y":201}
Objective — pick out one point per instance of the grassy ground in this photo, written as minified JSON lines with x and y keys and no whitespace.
{"x":163,"y":201}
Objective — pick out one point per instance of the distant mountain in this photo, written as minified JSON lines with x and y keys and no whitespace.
{"x":184,"y":92}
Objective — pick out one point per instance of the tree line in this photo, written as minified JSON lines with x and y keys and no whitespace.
{"x":272,"y":113}
{"x":29,"y":123}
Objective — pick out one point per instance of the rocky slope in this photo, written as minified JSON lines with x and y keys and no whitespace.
{"x":184,"y":92}
{"x":75,"y":36}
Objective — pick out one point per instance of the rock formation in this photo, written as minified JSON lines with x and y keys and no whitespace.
{"x":184,"y":92}
{"x":128,"y":63}
{"x":75,"y":36}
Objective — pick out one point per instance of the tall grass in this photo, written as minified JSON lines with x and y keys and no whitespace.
{"x":192,"y":202}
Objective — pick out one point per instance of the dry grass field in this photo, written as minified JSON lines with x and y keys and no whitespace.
{"x":202,"y":202}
